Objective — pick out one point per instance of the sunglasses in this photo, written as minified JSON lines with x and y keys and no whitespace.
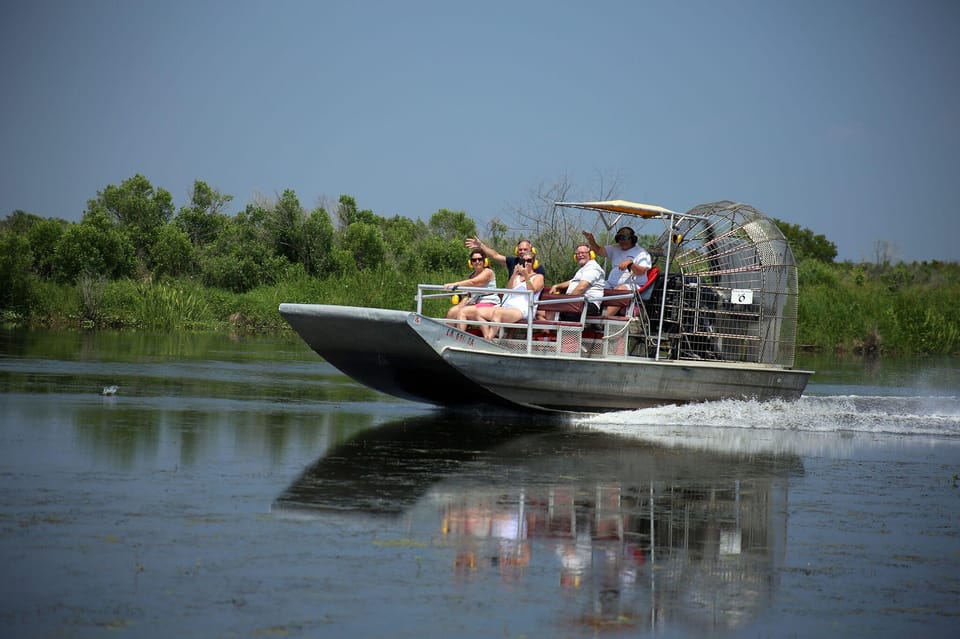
{"x":527,"y":261}
{"x":476,"y":259}
{"x":621,"y":238}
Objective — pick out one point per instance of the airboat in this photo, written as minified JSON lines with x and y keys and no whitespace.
{"x":718,"y":321}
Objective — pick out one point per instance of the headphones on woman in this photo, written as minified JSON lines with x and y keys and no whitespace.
{"x":486,"y":262}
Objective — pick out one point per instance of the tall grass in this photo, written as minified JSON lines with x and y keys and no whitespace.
{"x":858,"y":311}
{"x":171,"y":307}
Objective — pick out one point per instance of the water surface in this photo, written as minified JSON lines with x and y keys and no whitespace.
{"x":245,"y":488}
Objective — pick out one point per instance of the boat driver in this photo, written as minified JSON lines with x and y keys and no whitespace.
{"x":629,"y":263}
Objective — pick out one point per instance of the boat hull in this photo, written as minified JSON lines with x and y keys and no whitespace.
{"x":594,"y":385}
{"x":377,"y":348}
{"x":418,"y":358}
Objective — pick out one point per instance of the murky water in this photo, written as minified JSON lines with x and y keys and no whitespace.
{"x":244,"y":488}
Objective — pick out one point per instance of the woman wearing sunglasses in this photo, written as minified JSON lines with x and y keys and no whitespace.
{"x":510,"y":261}
{"x":482,"y":276}
{"x":515,"y":306}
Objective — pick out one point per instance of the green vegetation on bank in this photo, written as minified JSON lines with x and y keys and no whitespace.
{"x":908,"y":309}
{"x":133,"y":262}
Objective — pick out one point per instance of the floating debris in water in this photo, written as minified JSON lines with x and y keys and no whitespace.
{"x":109,"y":390}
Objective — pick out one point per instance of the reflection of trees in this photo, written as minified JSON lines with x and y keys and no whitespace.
{"x":183,"y":397}
{"x":638,"y":534}
{"x":124,"y":435}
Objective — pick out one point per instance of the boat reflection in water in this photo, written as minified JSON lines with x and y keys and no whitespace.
{"x":642,"y":534}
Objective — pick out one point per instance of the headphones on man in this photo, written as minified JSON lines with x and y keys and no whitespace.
{"x":593,"y":256}
{"x":533,"y":249}
{"x":633,"y":235}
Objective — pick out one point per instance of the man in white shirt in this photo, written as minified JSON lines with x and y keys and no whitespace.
{"x":629,"y":263}
{"x":587,"y":281}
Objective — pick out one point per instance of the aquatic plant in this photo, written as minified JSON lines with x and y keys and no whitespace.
{"x":167,"y":307}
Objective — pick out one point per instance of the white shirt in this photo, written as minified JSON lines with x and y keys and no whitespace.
{"x":593,"y":273}
{"x":619,"y":277}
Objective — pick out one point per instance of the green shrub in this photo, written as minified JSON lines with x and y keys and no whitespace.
{"x":16,"y":276}
{"x":817,"y":273}
{"x":54,"y":303}
{"x":120,"y":304}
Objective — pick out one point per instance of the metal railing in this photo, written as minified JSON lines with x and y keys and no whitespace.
{"x":424,"y":292}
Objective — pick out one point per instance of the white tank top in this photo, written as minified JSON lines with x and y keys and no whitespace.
{"x":488,"y":298}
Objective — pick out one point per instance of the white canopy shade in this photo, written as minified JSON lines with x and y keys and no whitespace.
{"x":622,"y":206}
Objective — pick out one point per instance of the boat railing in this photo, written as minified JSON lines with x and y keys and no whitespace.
{"x":534,"y":301}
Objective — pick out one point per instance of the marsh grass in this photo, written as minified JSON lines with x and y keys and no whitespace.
{"x":854,"y":310}
{"x":166,"y":306}
{"x":91,"y":289}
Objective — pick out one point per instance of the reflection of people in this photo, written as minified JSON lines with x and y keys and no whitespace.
{"x":523,"y":246}
{"x":515,"y":306}
{"x":587,"y":281}
{"x":482,"y":275}
{"x":629,"y":263}
{"x":575,"y":557}
{"x":474,"y":527}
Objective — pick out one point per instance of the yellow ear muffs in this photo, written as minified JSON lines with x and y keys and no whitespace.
{"x":486,"y":263}
{"x":593,"y":256}
{"x":533,"y":249}
{"x":455,"y":300}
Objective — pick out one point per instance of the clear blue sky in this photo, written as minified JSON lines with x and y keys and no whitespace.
{"x":842,"y":116}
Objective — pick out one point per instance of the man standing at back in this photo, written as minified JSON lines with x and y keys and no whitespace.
{"x":523,"y":246}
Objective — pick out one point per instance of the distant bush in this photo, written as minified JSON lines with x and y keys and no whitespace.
{"x":857,"y":308}
{"x":817,"y":273}
{"x":16,"y":277}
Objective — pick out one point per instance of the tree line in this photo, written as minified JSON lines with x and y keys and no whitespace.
{"x":133,"y":231}
{"x":134,"y":260}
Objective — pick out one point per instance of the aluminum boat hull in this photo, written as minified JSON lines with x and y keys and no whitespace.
{"x":377,"y":348}
{"x":415,"y":357}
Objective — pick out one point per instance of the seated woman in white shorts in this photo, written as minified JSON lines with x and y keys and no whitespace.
{"x":515,"y":306}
